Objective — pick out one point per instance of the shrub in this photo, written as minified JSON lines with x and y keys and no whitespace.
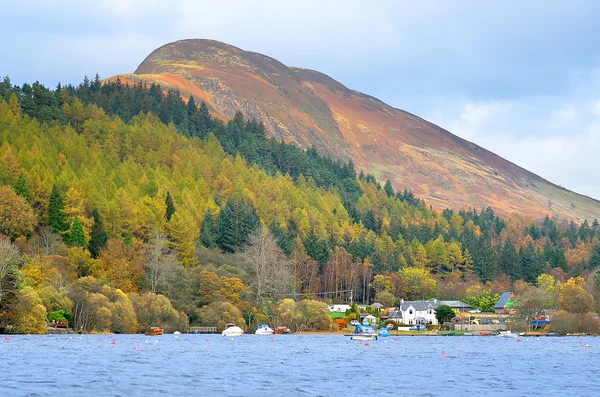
{"x":564,"y":323}
{"x":340,"y":323}
{"x":392,"y":322}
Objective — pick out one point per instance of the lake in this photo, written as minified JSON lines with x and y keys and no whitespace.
{"x":321,"y":365}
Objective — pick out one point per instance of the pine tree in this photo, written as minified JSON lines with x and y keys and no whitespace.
{"x":56,"y":218}
{"x":234,"y":224}
{"x":170,"y":210}
{"x":208,"y":235}
{"x":388,"y":188}
{"x":98,"y":236}
{"x":509,"y":262}
{"x":21,"y":188}
{"x":77,"y":236}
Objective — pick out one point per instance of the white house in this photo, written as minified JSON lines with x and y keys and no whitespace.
{"x":339,"y":308}
{"x":423,"y":312}
{"x":369,"y":319}
{"x":418,"y":312}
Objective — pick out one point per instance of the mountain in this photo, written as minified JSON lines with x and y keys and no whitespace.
{"x":309,"y":108}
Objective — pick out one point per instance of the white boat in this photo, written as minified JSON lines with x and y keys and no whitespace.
{"x":264,"y":329}
{"x":364,"y":332}
{"x":232,"y":330}
{"x":508,"y":334}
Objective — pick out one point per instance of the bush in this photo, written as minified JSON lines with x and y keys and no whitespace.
{"x":392,"y":322}
{"x":350,"y":317}
{"x":564,"y":323}
{"x":340,"y":323}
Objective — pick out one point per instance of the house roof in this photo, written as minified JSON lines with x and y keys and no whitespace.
{"x":397,"y":314}
{"x":455,"y":304}
{"x":501,"y":304}
{"x":418,"y":305}
{"x":377,"y":305}
{"x":433,"y":304}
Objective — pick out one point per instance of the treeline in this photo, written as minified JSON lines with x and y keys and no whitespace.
{"x":81,"y":168}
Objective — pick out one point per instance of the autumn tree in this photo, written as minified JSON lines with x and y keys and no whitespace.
{"x":574,"y":296}
{"x":417,"y":282}
{"x":16,"y":215}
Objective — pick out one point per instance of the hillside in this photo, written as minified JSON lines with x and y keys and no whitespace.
{"x":307,"y":107}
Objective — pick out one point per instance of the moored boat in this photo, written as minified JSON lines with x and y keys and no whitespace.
{"x":282,"y":330}
{"x":264,"y":329}
{"x":383,"y":332}
{"x":154,"y":331}
{"x":364,"y":332}
{"x":508,"y":334}
{"x":232,"y":330}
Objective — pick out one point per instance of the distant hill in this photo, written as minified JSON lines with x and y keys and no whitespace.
{"x":308,"y":107}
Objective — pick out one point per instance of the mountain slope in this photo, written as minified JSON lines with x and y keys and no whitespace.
{"x":308,"y":107}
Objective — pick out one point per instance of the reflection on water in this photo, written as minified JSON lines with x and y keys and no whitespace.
{"x":327,"y":365}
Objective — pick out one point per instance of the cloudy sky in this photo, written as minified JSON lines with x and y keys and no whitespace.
{"x":521,"y":80}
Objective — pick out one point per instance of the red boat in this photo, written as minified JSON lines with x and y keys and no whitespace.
{"x":282,"y":330}
{"x":154,"y":331}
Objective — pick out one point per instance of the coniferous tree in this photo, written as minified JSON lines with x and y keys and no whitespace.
{"x":208,"y":233}
{"x":56,"y":218}
{"x":98,"y":236}
{"x":234,"y":224}
{"x":77,"y":236}
{"x":509,"y":262}
{"x":21,"y":188}
{"x":388,"y":188}
{"x":170,"y":210}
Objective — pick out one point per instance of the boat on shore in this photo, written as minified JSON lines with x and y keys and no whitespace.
{"x":364,"y":333}
{"x":264,"y":329}
{"x":232,"y":330}
{"x":154,"y":331}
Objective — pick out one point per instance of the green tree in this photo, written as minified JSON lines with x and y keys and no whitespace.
{"x":56,"y":217}
{"x":236,"y":221}
{"x":444,"y":313}
{"x":22,"y":189}
{"x":388,"y":189}
{"x":170,"y":210}
{"x":98,"y":236}
{"x":208,"y":233}
{"x":77,"y":235}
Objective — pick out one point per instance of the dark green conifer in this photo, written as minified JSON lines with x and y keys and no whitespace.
{"x":98,"y":236}
{"x":56,"y":218}
{"x":208,"y":233}
{"x":170,"y":210}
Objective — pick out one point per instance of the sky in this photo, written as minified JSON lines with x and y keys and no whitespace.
{"x":521,"y":79}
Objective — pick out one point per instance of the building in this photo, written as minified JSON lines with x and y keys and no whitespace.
{"x":339,"y":308}
{"x":369,"y":319}
{"x":505,"y":303}
{"x":423,"y":312}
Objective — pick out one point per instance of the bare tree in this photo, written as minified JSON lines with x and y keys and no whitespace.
{"x":161,"y":262}
{"x":10,"y":258}
{"x":46,"y":242}
{"x":268,"y":269}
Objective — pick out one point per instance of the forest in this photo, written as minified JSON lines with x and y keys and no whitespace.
{"x":127,"y":206}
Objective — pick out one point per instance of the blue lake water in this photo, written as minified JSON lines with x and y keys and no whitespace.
{"x":302,"y":365}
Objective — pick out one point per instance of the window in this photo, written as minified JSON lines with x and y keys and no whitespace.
{"x":410,"y":311}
